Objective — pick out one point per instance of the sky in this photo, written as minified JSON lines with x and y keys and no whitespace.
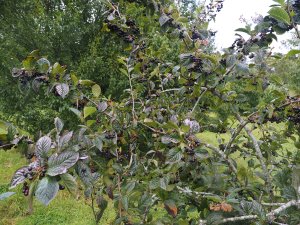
{"x":229,"y":19}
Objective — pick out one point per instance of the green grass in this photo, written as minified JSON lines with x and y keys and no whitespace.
{"x":63,"y":210}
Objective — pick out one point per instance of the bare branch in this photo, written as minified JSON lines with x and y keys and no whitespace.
{"x":282,"y":208}
{"x":258,"y":155}
{"x":221,"y":153}
{"x":271,"y":215}
{"x":201,"y":95}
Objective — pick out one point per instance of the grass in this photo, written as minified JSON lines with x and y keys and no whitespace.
{"x":63,"y":210}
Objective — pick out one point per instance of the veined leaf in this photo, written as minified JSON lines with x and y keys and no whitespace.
{"x":43,"y":65}
{"x":62,"y":89}
{"x":58,"y":124}
{"x":279,"y":14}
{"x":69,"y":182}
{"x":65,"y":139}
{"x":46,"y":190}
{"x":59,"y":164}
{"x":18,"y":177}
{"x":43,"y":146}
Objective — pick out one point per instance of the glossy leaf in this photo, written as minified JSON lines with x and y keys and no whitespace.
{"x":46,"y":190}
{"x":43,"y":146}
{"x":279,"y":14}
{"x":59,"y":164}
{"x":88,"y":110}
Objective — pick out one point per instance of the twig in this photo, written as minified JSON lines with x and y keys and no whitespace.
{"x":258,"y":155}
{"x":201,"y":95}
{"x":200,"y":194}
{"x":221,"y":153}
{"x":152,"y":129}
{"x":291,"y":18}
{"x":236,"y":133}
{"x":271,"y":215}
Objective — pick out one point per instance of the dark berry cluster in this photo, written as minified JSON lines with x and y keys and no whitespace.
{"x":128,"y":35}
{"x":213,"y":8}
{"x":25,"y":189}
{"x":196,"y":66}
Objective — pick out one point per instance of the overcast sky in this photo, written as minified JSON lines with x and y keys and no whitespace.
{"x":229,"y":19}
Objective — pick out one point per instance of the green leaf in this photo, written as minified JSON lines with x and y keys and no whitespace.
{"x":64,"y":140}
{"x":244,"y":30}
{"x":124,"y":71}
{"x":279,"y":14}
{"x":281,"y":2}
{"x":57,"y":69}
{"x":74,"y":78}
{"x":289,"y":192}
{"x":125,"y":202}
{"x":58,"y":124}
{"x":98,"y":143}
{"x":87,"y":83}
{"x":96,"y":90}
{"x":76,"y":112}
{"x":46,"y":190}
{"x":242,"y":68}
{"x":88,"y":110}
{"x":29,"y":63}
{"x":59,"y":164}
{"x":43,"y":146}
{"x":43,"y":65}
{"x":292,"y":53}
{"x":69,"y":182}
{"x":6,"y":195}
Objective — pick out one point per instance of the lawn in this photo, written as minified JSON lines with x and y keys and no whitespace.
{"x":63,"y":210}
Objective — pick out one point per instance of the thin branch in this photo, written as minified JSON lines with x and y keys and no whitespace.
{"x":291,"y":18}
{"x":282,"y":208}
{"x":258,"y":154}
{"x":222,"y":154}
{"x":234,"y":135}
{"x":201,"y":95}
{"x":198,"y":194}
{"x":288,"y":103}
{"x":152,"y":129}
{"x":271,"y":215}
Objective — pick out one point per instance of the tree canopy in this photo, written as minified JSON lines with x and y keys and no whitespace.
{"x":148,"y":115}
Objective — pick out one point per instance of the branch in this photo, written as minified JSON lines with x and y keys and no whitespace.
{"x":234,"y":135}
{"x":282,"y":208}
{"x":201,"y":95}
{"x":271,"y":215}
{"x":258,"y":154}
{"x":291,"y":18}
{"x":222,"y":154}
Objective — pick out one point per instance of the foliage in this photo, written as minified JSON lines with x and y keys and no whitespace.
{"x":144,"y":148}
